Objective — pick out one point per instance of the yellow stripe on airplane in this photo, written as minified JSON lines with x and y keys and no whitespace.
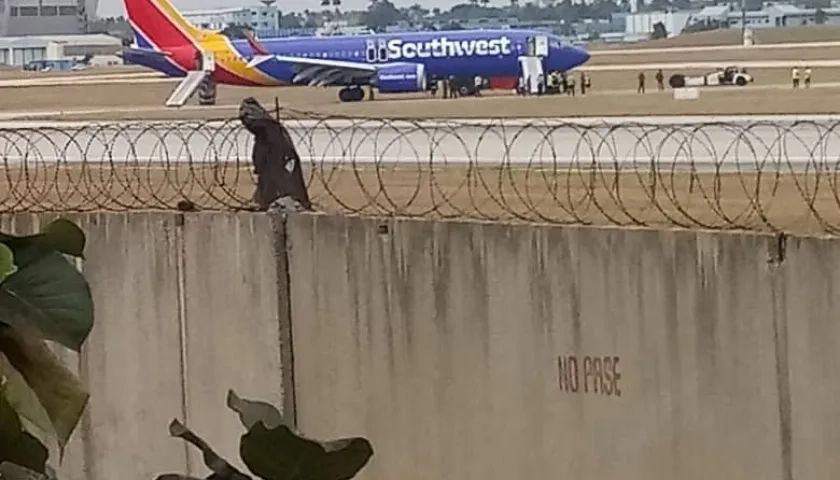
{"x":226,"y":56}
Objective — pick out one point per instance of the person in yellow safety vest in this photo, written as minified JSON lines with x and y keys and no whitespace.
{"x":794,"y":76}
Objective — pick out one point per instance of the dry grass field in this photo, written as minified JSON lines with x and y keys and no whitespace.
{"x":723,"y":56}
{"x":614,"y":94}
{"x":729,"y":201}
{"x":769,"y":36}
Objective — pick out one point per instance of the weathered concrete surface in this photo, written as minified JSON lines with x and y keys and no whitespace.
{"x":810,"y":303}
{"x":186,"y":307}
{"x":132,"y":359}
{"x":231,"y":321}
{"x":440,"y":341}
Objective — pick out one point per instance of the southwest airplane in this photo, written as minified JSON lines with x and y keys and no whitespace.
{"x":393,"y":63}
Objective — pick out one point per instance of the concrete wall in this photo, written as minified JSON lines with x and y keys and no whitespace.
{"x":440,"y":341}
{"x":463,"y":350}
{"x":186,"y":307}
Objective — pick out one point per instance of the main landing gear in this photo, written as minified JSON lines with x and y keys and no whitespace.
{"x":207,"y":92}
{"x":351,"y":94}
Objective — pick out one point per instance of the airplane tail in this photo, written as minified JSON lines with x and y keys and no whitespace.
{"x":157,"y":24}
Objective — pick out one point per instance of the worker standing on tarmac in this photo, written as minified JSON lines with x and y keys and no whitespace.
{"x":641,"y":88}
{"x":794,"y":76}
{"x":582,"y":83}
{"x":807,"y":76}
{"x":660,"y":80}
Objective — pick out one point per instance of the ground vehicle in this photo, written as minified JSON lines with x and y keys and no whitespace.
{"x":731,"y":75}
{"x":465,"y":86}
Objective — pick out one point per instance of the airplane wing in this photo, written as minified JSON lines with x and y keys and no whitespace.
{"x":319,"y":71}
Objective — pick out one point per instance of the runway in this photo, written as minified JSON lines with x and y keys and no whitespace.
{"x":701,"y":143}
{"x":152,"y":77}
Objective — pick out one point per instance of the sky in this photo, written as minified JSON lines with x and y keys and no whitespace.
{"x":114,"y":8}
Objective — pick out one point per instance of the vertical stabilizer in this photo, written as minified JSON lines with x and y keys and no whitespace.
{"x":158,"y":24}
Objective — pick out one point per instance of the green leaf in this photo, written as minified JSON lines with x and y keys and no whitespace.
{"x":64,"y":236}
{"x":59,"y":392}
{"x":222,"y":470}
{"x":281,"y":454}
{"x":7,"y":262}
{"x":26,"y":403}
{"x":16,"y":445}
{"x":178,"y":476}
{"x":49,"y":294}
{"x":11,"y":471}
{"x":253,"y":411}
{"x":60,"y":235}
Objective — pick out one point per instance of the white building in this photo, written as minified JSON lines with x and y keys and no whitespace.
{"x":771,"y":16}
{"x":341,"y":27}
{"x":19,"y":51}
{"x":639,"y":25}
{"x":45,"y":17}
{"x":260,"y":19}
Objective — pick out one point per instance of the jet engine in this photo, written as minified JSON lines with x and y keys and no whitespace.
{"x":401,"y":78}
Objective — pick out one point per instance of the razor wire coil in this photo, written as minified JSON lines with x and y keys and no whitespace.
{"x":722,"y":175}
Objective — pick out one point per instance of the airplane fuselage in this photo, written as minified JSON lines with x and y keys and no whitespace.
{"x":486,"y":53}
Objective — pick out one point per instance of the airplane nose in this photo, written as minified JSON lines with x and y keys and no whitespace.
{"x":580,"y":56}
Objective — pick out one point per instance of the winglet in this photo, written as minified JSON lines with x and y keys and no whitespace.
{"x":255,"y":45}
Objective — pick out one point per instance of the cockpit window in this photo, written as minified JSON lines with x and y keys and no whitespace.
{"x":555,"y":43}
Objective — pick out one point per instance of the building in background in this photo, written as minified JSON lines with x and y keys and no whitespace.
{"x":638,"y":26}
{"x":770,"y":16}
{"x":19,"y":51}
{"x":45,"y":17}
{"x":264,"y":20}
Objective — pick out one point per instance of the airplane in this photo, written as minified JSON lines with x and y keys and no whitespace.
{"x":392,"y":63}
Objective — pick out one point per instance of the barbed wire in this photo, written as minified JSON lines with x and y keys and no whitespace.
{"x":722,"y":175}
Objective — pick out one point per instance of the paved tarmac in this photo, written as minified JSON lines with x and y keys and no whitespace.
{"x":140,"y":78}
{"x":703,"y":143}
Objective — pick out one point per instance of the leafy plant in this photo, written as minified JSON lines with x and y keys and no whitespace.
{"x":42,"y":297}
{"x":273,"y":451}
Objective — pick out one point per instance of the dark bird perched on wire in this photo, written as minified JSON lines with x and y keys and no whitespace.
{"x":275,"y":159}
{"x":186,"y":206}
